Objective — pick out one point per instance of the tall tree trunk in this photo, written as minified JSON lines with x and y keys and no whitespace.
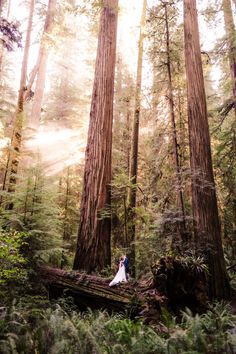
{"x":93,"y":248}
{"x":14,"y":152}
{"x":127,"y":135}
{"x":179,"y":193}
{"x":234,"y":1}
{"x":66,"y":230}
{"x":1,"y":7}
{"x":231,"y":33}
{"x":2,"y":3}
{"x":32,"y":77}
{"x":8,"y":8}
{"x":204,"y":202}
{"x":134,"y":145}
{"x":42,"y":66}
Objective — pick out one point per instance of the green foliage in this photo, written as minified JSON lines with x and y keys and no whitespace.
{"x":35,"y":209}
{"x":55,"y":257}
{"x":210,"y":332}
{"x":196,"y":264}
{"x":35,"y":326}
{"x":11,"y":259}
{"x":53,"y":330}
{"x":224,"y":159}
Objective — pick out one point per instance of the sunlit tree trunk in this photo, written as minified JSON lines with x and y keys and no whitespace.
{"x":93,"y":248}
{"x":34,"y":194}
{"x":204,"y":204}
{"x":66,"y":228}
{"x":134,"y":145}
{"x":2,"y":3}
{"x":32,"y":77}
{"x":1,"y":46}
{"x":179,"y":193}
{"x":1,"y":6}
{"x":42,"y":66}
{"x":14,"y":151}
{"x":27,"y":196}
{"x":231,"y":35}
{"x":127,"y":134}
{"x":234,"y":1}
{"x":8,"y":8}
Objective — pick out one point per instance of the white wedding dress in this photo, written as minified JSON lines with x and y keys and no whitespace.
{"x":120,"y":275}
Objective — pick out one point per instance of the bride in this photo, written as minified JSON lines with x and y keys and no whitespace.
{"x":120,"y":275}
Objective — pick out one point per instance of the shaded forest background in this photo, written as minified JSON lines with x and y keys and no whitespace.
{"x":48,"y":92}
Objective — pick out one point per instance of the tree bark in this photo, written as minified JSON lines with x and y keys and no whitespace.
{"x":234,"y":1}
{"x":93,"y":247}
{"x":14,"y":152}
{"x":90,"y":291}
{"x":1,"y":7}
{"x":134,"y":145}
{"x":173,"y":285}
{"x":32,"y":77}
{"x":66,"y":223}
{"x":8,"y":8}
{"x":42,"y":66}
{"x":231,"y":33}
{"x":204,"y":202}
{"x":179,"y":193}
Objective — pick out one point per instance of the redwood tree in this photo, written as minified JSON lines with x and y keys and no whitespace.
{"x":134,"y":145}
{"x":204,"y":203}
{"x":41,"y":66}
{"x":230,"y":33}
{"x":180,"y":200}
{"x":229,"y":178}
{"x":14,"y":151}
{"x":93,"y":247}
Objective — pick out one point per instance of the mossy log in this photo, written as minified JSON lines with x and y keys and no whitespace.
{"x":134,"y":298}
{"x":173,"y":284}
{"x":87,"y":290}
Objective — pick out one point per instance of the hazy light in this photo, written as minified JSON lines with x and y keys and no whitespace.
{"x":58,"y":148}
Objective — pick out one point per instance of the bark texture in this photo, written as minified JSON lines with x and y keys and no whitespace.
{"x":1,"y":7}
{"x":204,"y":203}
{"x":42,"y":66}
{"x":173,"y":284}
{"x":179,"y":193}
{"x":230,"y":33}
{"x":93,"y":247}
{"x":14,"y":152}
{"x":134,"y":144}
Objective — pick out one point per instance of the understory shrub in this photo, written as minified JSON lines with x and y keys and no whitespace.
{"x":49,"y":329}
{"x":11,"y":259}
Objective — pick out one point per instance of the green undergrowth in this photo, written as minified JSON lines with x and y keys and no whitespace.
{"x":34,"y":325}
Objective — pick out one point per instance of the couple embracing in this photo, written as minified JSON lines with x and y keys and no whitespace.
{"x":123,"y":272}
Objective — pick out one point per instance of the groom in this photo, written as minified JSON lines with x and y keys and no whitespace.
{"x":126,"y":264}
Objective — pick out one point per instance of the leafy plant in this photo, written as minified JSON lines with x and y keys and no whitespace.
{"x":11,"y":259}
{"x":35,"y":325}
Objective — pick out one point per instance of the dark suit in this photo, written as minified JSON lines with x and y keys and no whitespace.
{"x":126,"y":264}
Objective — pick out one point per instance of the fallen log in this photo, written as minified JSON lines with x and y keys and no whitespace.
{"x":88,"y":290}
{"x":174,"y":285}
